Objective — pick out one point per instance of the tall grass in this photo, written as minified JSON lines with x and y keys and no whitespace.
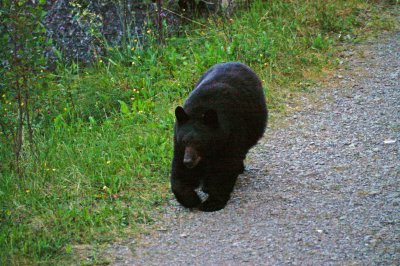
{"x":104,"y":132}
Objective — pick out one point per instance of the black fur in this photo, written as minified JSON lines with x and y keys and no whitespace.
{"x":223,"y":117}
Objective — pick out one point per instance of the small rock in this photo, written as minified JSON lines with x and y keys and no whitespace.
{"x":389,"y":141}
{"x":374,"y":192}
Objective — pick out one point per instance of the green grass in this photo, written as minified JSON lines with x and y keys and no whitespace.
{"x":104,"y":132}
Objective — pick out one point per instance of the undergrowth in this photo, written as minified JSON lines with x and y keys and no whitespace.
{"x":104,"y":132}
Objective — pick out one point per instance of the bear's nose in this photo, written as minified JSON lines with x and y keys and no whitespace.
{"x":191,"y":158}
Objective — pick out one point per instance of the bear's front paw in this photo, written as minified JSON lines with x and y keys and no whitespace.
{"x":188,"y":200}
{"x":212,"y":205}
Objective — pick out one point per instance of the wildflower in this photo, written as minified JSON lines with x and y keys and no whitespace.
{"x":105,"y":187}
{"x":133,"y":63}
{"x":133,"y":49}
{"x":4,"y":96}
{"x":138,"y":57}
{"x":54,"y":169}
{"x":132,"y":98}
{"x":135,"y":40}
{"x":27,"y":191}
{"x":265,"y":64}
{"x":108,"y":162}
{"x":100,"y":61}
{"x":65,"y":108}
{"x":261,"y":55}
{"x":149,"y":31}
{"x":22,"y":104}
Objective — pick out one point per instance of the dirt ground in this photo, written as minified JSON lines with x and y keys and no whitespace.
{"x":321,"y":188}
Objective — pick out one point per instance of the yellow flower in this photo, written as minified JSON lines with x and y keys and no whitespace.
{"x":108,"y":162}
{"x":148,"y":31}
{"x":27,"y":191}
{"x":4,"y":96}
{"x":136,"y":40}
{"x":54,"y":169}
{"x":133,"y":49}
{"x":105,"y":187}
{"x":100,"y":61}
{"x":133,"y":63}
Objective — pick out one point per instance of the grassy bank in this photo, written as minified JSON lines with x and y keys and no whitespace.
{"x":104,"y":133}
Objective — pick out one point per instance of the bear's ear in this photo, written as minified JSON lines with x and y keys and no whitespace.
{"x":181,"y":115}
{"x":210,"y":118}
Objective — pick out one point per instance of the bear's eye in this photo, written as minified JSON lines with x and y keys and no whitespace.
{"x":190,"y":142}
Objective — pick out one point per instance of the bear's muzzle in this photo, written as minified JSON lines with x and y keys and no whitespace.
{"x":191,"y":157}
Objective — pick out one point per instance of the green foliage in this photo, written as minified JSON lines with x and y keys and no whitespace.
{"x":22,"y":41}
{"x":103,"y":133}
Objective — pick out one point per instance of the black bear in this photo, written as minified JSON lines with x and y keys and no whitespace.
{"x":223,"y":117}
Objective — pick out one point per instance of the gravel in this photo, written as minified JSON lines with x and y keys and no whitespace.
{"x":322,"y":187}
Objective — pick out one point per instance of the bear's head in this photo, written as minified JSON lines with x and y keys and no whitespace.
{"x":198,"y":136}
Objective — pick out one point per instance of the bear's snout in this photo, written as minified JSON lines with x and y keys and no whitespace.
{"x":191,"y":157}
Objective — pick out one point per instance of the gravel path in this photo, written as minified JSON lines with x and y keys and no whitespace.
{"x":322,"y":187}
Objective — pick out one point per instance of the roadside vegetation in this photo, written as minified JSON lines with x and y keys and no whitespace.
{"x":85,"y":150}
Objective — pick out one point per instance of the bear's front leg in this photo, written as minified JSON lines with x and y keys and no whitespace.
{"x":184,"y":193}
{"x":183,"y":183}
{"x":219,"y":184}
